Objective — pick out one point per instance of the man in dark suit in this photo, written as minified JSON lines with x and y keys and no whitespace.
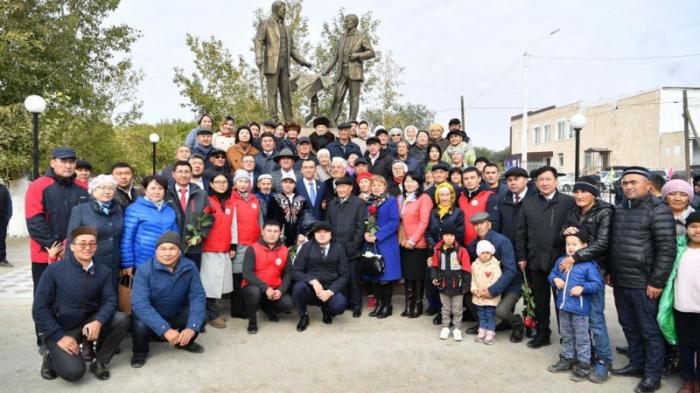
{"x":285,"y":160}
{"x":351,"y":50}
{"x":274,"y":46}
{"x":311,"y":189}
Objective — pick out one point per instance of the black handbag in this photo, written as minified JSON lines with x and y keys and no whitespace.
{"x":371,"y":263}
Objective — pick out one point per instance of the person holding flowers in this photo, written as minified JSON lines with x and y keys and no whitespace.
{"x":382,"y":224}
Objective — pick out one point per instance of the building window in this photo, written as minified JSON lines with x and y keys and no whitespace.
{"x":561,"y":130}
{"x":570,"y":131}
{"x":561,"y":160}
{"x":537,"y":135}
{"x":545,"y":133}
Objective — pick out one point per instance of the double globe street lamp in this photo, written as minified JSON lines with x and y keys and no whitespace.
{"x":35,"y":105}
{"x":577,"y":122}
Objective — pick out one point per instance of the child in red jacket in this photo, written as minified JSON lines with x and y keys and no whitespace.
{"x":449,"y":271}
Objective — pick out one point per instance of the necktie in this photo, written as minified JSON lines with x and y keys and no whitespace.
{"x":517,"y":199}
{"x":183,"y":199}
{"x":312,"y":193}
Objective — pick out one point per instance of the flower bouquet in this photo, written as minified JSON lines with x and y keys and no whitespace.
{"x":371,"y":221}
{"x":528,"y":304}
{"x":199,"y":230}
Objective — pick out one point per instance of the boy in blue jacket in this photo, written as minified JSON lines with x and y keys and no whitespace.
{"x":573,"y":301}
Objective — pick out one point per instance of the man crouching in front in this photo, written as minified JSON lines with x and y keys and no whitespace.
{"x":75,"y":302}
{"x":167,"y":300}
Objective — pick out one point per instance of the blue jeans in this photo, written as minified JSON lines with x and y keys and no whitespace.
{"x":575,"y":343}
{"x":598,"y":328}
{"x":487,"y":317}
{"x":637,"y":316}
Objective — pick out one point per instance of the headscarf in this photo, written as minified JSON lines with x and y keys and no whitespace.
{"x":444,"y":209}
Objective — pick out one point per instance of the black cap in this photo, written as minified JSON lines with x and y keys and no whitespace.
{"x":361,"y":160}
{"x":216,"y":151}
{"x":201,"y":131}
{"x":82,"y":164}
{"x":637,"y":170}
{"x":448,"y":229}
{"x":169,"y":237}
{"x":270,"y":123}
{"x":303,"y":139}
{"x":344,"y":180}
{"x":381,"y":131}
{"x":455,"y":132}
{"x":454,"y":120}
{"x":321,"y":225}
{"x":371,"y":140}
{"x":692,"y":218}
{"x":344,"y":125}
{"x":517,"y":172}
{"x":441,"y":166}
{"x":588,"y":184}
{"x":582,"y":234}
{"x":321,"y":121}
{"x":63,"y":152}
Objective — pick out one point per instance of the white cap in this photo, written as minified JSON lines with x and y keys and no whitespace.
{"x":485,"y":246}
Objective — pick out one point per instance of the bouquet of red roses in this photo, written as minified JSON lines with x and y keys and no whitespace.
{"x":371,"y":221}
{"x":528,"y":304}
{"x":199,"y":230}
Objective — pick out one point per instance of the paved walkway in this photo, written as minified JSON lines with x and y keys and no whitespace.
{"x":351,"y":355}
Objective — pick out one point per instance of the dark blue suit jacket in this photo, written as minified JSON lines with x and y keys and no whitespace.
{"x":320,"y":195}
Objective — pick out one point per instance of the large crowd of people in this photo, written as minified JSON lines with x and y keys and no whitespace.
{"x":282,"y":221}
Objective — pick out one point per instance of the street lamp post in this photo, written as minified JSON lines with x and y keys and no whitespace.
{"x":577,"y":122}
{"x":35,"y":105}
{"x":154,"y":138}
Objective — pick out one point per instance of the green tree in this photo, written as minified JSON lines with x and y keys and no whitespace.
{"x":401,"y":115}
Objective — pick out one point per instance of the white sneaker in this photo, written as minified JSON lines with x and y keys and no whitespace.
{"x":457,"y":334}
{"x":444,"y":333}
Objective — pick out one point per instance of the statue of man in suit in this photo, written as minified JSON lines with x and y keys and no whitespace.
{"x":352,"y":48}
{"x":274,"y":46}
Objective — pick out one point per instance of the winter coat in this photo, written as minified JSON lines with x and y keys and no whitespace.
{"x":48,"y":203}
{"x":264,"y":201}
{"x":265,"y":164}
{"x":337,"y":149}
{"x":451,"y":268}
{"x":387,"y":242}
{"x":511,"y":277}
{"x":144,"y":223}
{"x":235,"y":154}
{"x":585,"y":274}
{"x":247,"y":219}
{"x":219,"y":238}
{"x":348,"y":222}
{"x":197,"y":201}
{"x":109,"y":230}
{"x":598,"y":224}
{"x":484,"y":275}
{"x":5,"y":204}
{"x":66,"y":296}
{"x":382,"y":165}
{"x":643,"y":244}
{"x":288,"y":214}
{"x":333,"y":271}
{"x":509,"y":213}
{"x":665,"y":316}
{"x":419,"y":153}
{"x":124,"y":199}
{"x":476,"y":202}
{"x":277,"y":179}
{"x":319,"y":142}
{"x":415,"y":219}
{"x":456,"y":218}
{"x":159,"y":294}
{"x":538,"y":240}
{"x":266,"y":267}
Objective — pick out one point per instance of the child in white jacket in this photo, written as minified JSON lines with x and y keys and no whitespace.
{"x":486,"y":270}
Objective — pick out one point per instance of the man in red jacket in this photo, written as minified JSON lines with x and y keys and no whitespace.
{"x":266,"y":277}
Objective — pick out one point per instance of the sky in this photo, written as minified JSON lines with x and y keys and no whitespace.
{"x":453,"y":48}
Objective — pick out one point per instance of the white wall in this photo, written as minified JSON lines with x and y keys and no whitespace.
{"x":671,"y":109}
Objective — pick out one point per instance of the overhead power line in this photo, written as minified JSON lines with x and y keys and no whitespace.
{"x":616,"y":58}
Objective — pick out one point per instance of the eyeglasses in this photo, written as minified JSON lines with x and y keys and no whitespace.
{"x":105,"y":188}
{"x":393,"y":135}
{"x":219,"y":157}
{"x":84,"y":245}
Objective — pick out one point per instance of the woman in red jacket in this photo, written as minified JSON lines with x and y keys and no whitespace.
{"x":216,"y":271}
{"x":415,"y":207}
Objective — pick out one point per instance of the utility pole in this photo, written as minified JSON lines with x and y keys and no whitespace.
{"x":461,"y":100}
{"x":523,"y":137}
{"x":686,"y":134}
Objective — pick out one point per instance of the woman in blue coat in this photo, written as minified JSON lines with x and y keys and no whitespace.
{"x":101,"y":213}
{"x":144,"y":222}
{"x":384,"y":241}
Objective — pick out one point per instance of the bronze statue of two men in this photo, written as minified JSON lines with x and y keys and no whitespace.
{"x":275,"y":48}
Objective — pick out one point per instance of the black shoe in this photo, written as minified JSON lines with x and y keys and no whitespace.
{"x":4,"y":263}
{"x":327,"y":317}
{"x":46,"y":371}
{"x":628,"y":371}
{"x":203,"y":329}
{"x":648,"y":385}
{"x":138,"y":361}
{"x":303,"y":323}
{"x":192,"y":347}
{"x":252,"y":327}
{"x":622,"y":350}
{"x":474,"y":329}
{"x":502,"y":327}
{"x":530,"y":332}
{"x":100,"y":370}
{"x":87,"y":350}
{"x":117,"y":351}
{"x":581,"y":371}
{"x":671,"y":361}
{"x":437,"y":320}
{"x":517,"y":335}
{"x":540,"y":341}
{"x":431,"y":311}
{"x":417,"y":309}
{"x":409,"y":298}
{"x":271,"y":317}
{"x":386,"y":312}
{"x":563,"y":365}
{"x":356,"y":313}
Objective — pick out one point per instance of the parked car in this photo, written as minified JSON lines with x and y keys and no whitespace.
{"x":566,"y":182}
